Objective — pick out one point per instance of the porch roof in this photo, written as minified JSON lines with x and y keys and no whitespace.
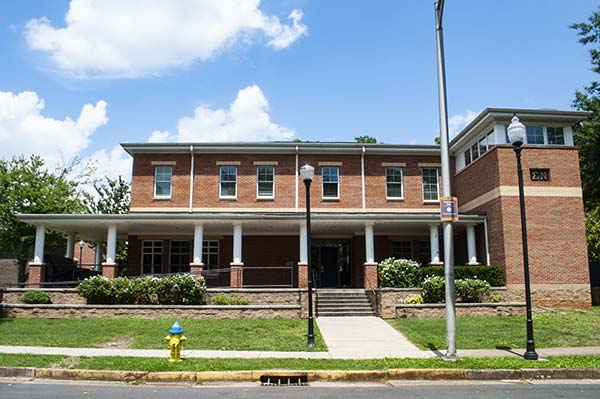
{"x":94,"y":226}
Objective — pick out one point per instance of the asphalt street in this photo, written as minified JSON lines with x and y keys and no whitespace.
{"x":402,"y":390}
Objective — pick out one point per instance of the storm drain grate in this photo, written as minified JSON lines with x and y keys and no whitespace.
{"x":283,"y":380}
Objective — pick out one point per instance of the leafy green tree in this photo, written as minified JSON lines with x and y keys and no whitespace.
{"x":28,"y":186}
{"x":366,"y":139}
{"x":437,"y":140}
{"x":587,"y":135}
{"x":111,"y":196}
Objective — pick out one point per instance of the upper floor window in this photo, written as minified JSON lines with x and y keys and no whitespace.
{"x":331,"y":177}
{"x":393,"y":177}
{"x":228,"y":183}
{"x":430,"y":184}
{"x":265,"y":181}
{"x":475,"y":151}
{"x":556,"y":135}
{"x":467,"y":156}
{"x":535,"y":135}
{"x":162,"y":181}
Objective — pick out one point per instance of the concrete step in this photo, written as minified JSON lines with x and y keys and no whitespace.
{"x":344,"y":307}
{"x":346,"y":314}
{"x":343,"y":300}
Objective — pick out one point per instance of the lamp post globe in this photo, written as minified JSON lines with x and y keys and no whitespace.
{"x":308,"y":172}
{"x":516,"y":134}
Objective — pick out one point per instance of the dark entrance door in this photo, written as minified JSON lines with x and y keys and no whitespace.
{"x":329,"y":264}
{"x":331,"y":260}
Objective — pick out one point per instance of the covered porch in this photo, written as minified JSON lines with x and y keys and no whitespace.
{"x":261,"y":249}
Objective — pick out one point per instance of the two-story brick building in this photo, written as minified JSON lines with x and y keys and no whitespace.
{"x":235,"y":211}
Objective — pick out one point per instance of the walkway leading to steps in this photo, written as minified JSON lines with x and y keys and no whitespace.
{"x":365,"y":338}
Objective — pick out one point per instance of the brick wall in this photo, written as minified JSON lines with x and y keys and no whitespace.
{"x":206,"y":181}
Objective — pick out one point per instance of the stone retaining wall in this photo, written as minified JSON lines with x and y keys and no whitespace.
{"x":438,"y":310}
{"x":54,"y":311}
{"x":57,"y":295}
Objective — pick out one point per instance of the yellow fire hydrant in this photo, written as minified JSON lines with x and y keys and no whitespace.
{"x":175,"y":340}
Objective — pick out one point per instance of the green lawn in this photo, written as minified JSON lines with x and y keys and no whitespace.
{"x":230,"y":334}
{"x":558,"y":329}
{"x":154,"y":364}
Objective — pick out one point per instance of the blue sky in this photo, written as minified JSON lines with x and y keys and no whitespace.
{"x":333,"y":71}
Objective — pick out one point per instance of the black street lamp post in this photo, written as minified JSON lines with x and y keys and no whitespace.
{"x":516,"y":135}
{"x":308,"y":173}
{"x":81,"y":244}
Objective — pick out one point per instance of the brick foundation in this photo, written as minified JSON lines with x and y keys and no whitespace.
{"x":236,"y":276}
{"x":302,"y":275}
{"x":196,"y":268}
{"x":371,"y":279}
{"x":109,"y":270}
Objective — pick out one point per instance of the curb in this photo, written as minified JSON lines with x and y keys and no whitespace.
{"x":312,"y":375}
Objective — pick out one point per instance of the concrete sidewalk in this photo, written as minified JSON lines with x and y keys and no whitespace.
{"x":366,"y":338}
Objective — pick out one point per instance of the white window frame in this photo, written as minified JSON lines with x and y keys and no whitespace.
{"x":547,"y":139}
{"x":437,"y":183}
{"x":387,"y":196}
{"x":162,"y":254}
{"x":258,"y":196}
{"x":171,"y":254}
{"x":544,"y":138}
{"x":330,"y":198}
{"x":157,"y":196}
{"x":221,"y":196}
{"x":410,"y":243}
{"x":206,"y":253}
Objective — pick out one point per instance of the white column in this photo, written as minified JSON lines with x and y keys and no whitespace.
{"x":40,"y":235}
{"x":111,"y":244}
{"x":198,"y":239}
{"x":98,"y":256}
{"x":434,"y":244}
{"x":369,"y":245}
{"x":303,"y":242}
{"x":70,"y":245}
{"x":471,"y":247}
{"x":237,"y":243}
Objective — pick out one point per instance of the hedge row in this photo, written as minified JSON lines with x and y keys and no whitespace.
{"x":491,"y":274}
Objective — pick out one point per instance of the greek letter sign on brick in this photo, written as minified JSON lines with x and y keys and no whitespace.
{"x":448,"y":209}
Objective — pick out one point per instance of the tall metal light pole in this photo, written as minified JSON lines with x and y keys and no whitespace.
{"x":446,"y":188}
{"x":516,"y":135}
{"x":307,"y":172}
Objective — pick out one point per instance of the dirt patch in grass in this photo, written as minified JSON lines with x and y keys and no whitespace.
{"x":118,"y":343}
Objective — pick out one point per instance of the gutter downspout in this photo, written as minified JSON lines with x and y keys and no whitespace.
{"x":362,"y":176}
{"x":297,"y":171}
{"x":191,"y":179}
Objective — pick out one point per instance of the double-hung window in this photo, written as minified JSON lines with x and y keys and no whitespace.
{"x":467,"y":156}
{"x":210,"y":254}
{"x":331,"y":180}
{"x":393,"y":177}
{"x":181,"y":255}
{"x":162,"y":181}
{"x":402,"y":249}
{"x":430,"y":184}
{"x":265,"y":181}
{"x":556,"y":135}
{"x":228,"y":182}
{"x":152,"y":256}
{"x":535,"y":135}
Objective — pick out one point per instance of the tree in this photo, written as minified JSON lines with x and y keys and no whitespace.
{"x":27,"y":186}
{"x":112,"y":196}
{"x":587,"y":134}
{"x":437,"y":140}
{"x":366,"y":139}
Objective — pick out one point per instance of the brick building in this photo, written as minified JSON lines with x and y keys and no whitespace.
{"x":235,"y":211}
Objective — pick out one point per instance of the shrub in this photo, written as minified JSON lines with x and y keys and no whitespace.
{"x":491,"y":274}
{"x":414,"y":300}
{"x":399,"y":273}
{"x":223,"y":299}
{"x":496,"y":298}
{"x":122,"y":291}
{"x":433,"y":289}
{"x":142,"y":290}
{"x":35,"y":297}
{"x":471,"y":290}
{"x":97,"y":290}
{"x":180,"y":289}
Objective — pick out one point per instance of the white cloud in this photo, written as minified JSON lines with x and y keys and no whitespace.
{"x":24,"y":130}
{"x":246,"y":119}
{"x":113,"y":163}
{"x":116,"y":38}
{"x":458,"y":122}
